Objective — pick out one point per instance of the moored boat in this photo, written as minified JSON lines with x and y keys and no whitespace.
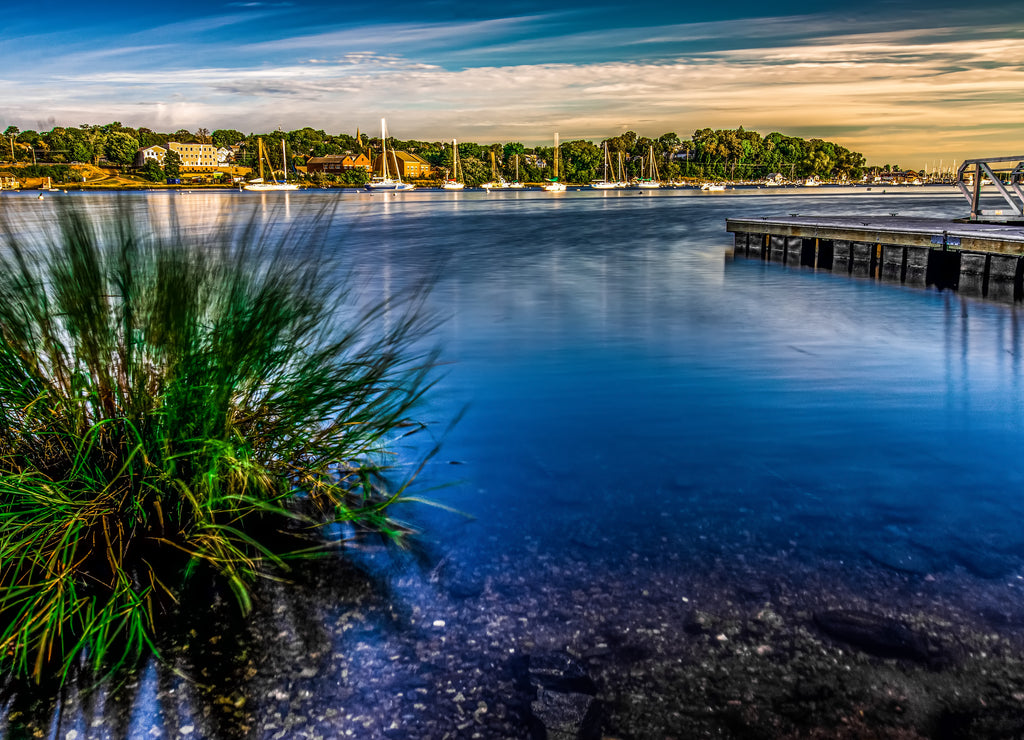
{"x":604,"y":183}
{"x":260,"y":184}
{"x":455,"y":181}
{"x":649,"y":179}
{"x":496,"y":181}
{"x":385,"y":181}
{"x":553,"y":185}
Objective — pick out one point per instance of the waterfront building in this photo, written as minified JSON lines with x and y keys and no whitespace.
{"x":409,"y":165}
{"x":155,"y":152}
{"x":336,"y":163}
{"x":193,"y":156}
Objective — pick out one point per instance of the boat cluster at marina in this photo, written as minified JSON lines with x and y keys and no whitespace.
{"x":454,"y":178}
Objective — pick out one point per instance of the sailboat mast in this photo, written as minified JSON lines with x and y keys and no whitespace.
{"x":284,"y":161}
{"x":556,"y":155}
{"x":384,"y":150}
{"x":259,"y":156}
{"x":270,"y":165}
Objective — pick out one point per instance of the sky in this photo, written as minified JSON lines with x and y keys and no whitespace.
{"x":919,"y":84}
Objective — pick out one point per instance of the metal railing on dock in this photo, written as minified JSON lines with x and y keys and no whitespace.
{"x":1004,"y":174}
{"x":977,"y":259}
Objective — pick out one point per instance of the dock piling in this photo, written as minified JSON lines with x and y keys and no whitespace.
{"x":980,"y":260}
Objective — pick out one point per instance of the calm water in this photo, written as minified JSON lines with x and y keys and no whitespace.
{"x":633,"y":394}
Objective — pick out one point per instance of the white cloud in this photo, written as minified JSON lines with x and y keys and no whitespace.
{"x":886,"y":94}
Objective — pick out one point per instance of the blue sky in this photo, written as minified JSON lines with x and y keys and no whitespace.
{"x":906,"y":82}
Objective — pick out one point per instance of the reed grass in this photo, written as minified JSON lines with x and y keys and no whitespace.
{"x":174,"y":403}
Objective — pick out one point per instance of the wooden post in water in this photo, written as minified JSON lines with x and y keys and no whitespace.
{"x":981,"y":260}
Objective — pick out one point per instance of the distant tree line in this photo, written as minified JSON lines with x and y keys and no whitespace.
{"x":709,"y":154}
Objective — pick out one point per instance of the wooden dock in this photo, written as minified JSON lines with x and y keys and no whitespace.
{"x":976,"y":259}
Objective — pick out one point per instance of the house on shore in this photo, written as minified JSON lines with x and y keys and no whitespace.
{"x":410,"y":166}
{"x":150,"y":153}
{"x":333,"y":164}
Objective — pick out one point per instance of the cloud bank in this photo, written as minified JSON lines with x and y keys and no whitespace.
{"x":915,"y":95}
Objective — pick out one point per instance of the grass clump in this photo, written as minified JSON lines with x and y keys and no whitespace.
{"x":172,"y":404}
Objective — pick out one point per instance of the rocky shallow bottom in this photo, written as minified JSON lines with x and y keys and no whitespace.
{"x":568,"y":644}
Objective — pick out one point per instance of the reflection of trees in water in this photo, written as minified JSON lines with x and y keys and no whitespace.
{"x":223,"y":674}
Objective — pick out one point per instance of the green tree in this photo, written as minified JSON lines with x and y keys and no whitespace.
{"x":80,"y":151}
{"x":669,"y":142}
{"x":354,"y":177}
{"x":59,"y":143}
{"x":121,"y":148}
{"x":92,"y":139}
{"x":511,"y":149}
{"x":581,"y":160}
{"x":10,"y":134}
{"x":153,"y":172}
{"x":147,"y":137}
{"x":172,"y":164}
{"x":474,"y":170}
{"x":226,"y":137}
{"x":303,"y":140}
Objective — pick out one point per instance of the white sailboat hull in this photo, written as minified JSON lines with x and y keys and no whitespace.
{"x":452,"y":185}
{"x":389,"y":185}
{"x":263,"y":187}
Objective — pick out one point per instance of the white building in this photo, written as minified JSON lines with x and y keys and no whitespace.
{"x":155,"y":152}
{"x":193,"y":156}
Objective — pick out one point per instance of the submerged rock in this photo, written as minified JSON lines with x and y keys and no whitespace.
{"x":561,"y":696}
{"x":881,"y":636}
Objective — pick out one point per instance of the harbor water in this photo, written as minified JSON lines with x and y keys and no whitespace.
{"x":670,"y":469}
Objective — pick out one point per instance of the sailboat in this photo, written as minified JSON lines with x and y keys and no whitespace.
{"x":516,"y":183}
{"x":259,"y":184}
{"x":621,"y":180}
{"x":384,"y":181}
{"x":651,"y":172}
{"x":604,"y":183}
{"x":497,"y":181}
{"x":553,"y":185}
{"x":455,"y":182}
